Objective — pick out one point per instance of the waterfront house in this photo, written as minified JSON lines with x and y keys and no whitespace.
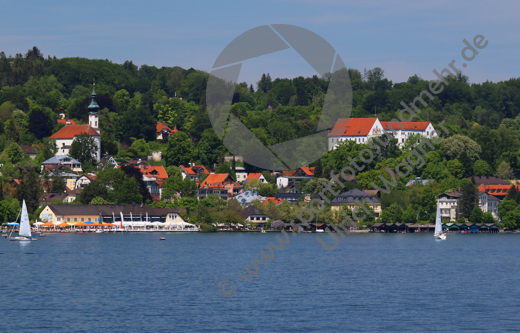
{"x":448,"y":203}
{"x":498,"y":191}
{"x":290,"y":193}
{"x":254,"y":215}
{"x":136,"y":214}
{"x":354,"y":198}
{"x":488,"y":203}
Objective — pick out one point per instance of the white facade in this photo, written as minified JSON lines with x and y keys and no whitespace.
{"x":64,"y":146}
{"x":488,"y":203}
{"x":241,"y":174}
{"x":403,"y":134}
{"x":375,"y":130}
{"x":93,"y":120}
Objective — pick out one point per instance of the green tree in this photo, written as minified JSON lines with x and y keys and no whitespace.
{"x":488,"y":218}
{"x":505,"y":207}
{"x":58,"y":183}
{"x":84,"y":149}
{"x":428,"y":202}
{"x":179,"y":150}
{"x":127,"y":192}
{"x":467,"y":164}
{"x":456,"y":168}
{"x":410,"y":216}
{"x":14,"y":153}
{"x":95,"y":188}
{"x":457,"y":144}
{"x":512,"y":219}
{"x":97,"y":201}
{"x":318,"y":169}
{"x":469,"y":197}
{"x":30,"y":190}
{"x":504,"y":171}
{"x":477,"y":216}
{"x":482,"y":168}
{"x":513,"y":194}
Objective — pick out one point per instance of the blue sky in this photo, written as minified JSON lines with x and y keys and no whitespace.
{"x":403,"y":37}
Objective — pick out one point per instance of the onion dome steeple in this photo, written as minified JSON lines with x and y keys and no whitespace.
{"x":93,"y":107}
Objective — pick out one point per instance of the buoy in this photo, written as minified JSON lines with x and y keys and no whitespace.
{"x":162,"y":238}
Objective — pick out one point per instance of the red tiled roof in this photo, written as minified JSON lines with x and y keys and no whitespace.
{"x":371,"y":192}
{"x":160,"y":126}
{"x":352,"y":127}
{"x":254,"y":175}
{"x":214,"y":179}
{"x":190,"y":171}
{"x":70,"y":131}
{"x":309,"y":171}
{"x":411,"y":126}
{"x":274,"y":200}
{"x":290,"y":173}
{"x":500,"y":190}
{"x":64,"y":121}
{"x":147,"y":170}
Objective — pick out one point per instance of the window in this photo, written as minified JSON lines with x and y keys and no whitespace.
{"x":173,"y":216}
{"x":59,"y":219}
{"x":75,"y":219}
{"x":82,"y":219}
{"x":96,"y":123}
{"x":96,"y":219}
{"x":90,"y":219}
{"x":68,"y":219}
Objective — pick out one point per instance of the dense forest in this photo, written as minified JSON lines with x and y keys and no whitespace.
{"x":483,"y":118}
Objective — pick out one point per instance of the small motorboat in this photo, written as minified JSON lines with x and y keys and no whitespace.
{"x":42,"y":235}
{"x":99,"y":231}
{"x":162,"y":238}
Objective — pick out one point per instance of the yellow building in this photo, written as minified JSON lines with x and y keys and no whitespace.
{"x":109,"y":213}
{"x":354,"y":198}
{"x":69,"y":213}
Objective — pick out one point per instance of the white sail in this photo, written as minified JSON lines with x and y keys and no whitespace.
{"x":438,"y":221}
{"x":25,"y":227}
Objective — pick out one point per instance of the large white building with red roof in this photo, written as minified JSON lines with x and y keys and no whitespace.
{"x":65,"y":136}
{"x":360,"y":130}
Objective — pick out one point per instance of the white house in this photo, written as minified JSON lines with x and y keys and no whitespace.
{"x":360,"y":130}
{"x":65,"y":136}
{"x":448,"y":203}
{"x":241,"y":174}
{"x":83,"y":181}
{"x":403,"y":130}
{"x":257,"y":175}
{"x":488,"y":203}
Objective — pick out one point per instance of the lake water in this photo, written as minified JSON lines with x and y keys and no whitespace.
{"x":370,"y":282}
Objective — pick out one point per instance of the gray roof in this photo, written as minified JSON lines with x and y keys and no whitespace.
{"x":419,"y":181}
{"x":57,"y":159}
{"x":353,"y":195}
{"x":251,"y":210}
{"x":107,"y":210}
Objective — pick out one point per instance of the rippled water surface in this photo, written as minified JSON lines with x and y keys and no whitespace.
{"x":370,"y":282}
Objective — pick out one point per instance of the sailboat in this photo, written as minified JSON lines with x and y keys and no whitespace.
{"x":438,"y":225}
{"x":25,"y":228}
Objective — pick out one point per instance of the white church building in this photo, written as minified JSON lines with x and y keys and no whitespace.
{"x":361,"y":130}
{"x":65,"y":136}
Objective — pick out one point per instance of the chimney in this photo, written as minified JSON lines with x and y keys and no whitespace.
{"x":67,"y":122}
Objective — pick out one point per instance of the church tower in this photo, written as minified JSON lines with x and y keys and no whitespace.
{"x":93,"y":118}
